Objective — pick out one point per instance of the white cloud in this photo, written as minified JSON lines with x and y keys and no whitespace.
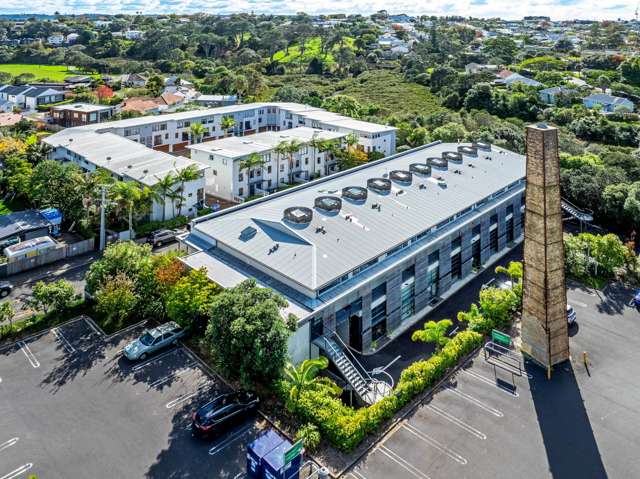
{"x":557,"y":9}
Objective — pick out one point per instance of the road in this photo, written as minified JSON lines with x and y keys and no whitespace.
{"x":71,"y":269}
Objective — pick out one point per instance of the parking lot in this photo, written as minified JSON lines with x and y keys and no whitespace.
{"x":487,"y":422}
{"x":71,"y":406}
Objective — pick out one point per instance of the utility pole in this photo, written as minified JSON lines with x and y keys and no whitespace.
{"x":103,"y":200}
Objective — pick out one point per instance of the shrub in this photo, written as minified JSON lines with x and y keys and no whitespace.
{"x":55,"y":296}
{"x":310,"y":437}
{"x":146,"y":228}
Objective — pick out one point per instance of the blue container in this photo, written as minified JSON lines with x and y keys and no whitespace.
{"x":259,"y":448}
{"x":273,"y":464}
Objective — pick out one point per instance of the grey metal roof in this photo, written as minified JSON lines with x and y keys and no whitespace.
{"x":606,"y":99}
{"x":43,"y":90}
{"x":358,"y":233}
{"x":21,"y":221}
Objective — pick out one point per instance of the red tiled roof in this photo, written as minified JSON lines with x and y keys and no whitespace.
{"x":9,"y":119}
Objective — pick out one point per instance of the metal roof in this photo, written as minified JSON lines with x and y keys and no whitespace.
{"x":316,"y":253}
{"x":21,"y":221}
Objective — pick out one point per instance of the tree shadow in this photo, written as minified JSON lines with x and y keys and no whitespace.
{"x":614,"y":298}
{"x":569,"y":441}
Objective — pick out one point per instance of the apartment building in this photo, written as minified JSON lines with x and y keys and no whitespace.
{"x":79,"y":114}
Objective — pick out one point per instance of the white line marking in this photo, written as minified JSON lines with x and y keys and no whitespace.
{"x":175,"y":374}
{"x":488,"y":381}
{"x":475,"y":401}
{"x":145,"y":363}
{"x":8,"y":443}
{"x":454,"y":331}
{"x":407,"y":466}
{"x":21,"y":470}
{"x":579,"y":303}
{"x":458,"y":422}
{"x":239,"y":475}
{"x":187,"y":396}
{"x":435,"y":444}
{"x":93,"y":326}
{"x":67,"y":345}
{"x":357,"y":475}
{"x":228,"y":441}
{"x":30,"y":356}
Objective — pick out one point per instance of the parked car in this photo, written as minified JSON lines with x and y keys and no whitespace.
{"x":224,"y":412}
{"x":571,"y":314}
{"x":158,"y":238}
{"x":153,"y":340}
{"x":635,"y":301}
{"x":5,"y":288}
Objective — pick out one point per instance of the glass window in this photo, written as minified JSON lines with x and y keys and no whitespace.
{"x":317,"y":327}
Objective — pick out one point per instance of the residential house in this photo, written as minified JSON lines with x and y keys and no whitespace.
{"x":216,"y":100}
{"x":133,"y":34}
{"x":9,"y":119}
{"x":72,"y":38}
{"x":144,"y":106}
{"x":78,"y":114}
{"x":170,"y":101}
{"x":133,"y":80}
{"x":27,"y":97}
{"x":55,"y":40}
{"x":23,"y":226}
{"x":550,"y":95}
{"x":517,"y":78}
{"x":608,"y":103}
{"x":475,"y":68}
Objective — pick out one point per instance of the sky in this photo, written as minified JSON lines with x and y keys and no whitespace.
{"x":508,"y":9}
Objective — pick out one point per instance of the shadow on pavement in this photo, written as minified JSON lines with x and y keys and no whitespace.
{"x":614,"y":298}
{"x":571,"y":447}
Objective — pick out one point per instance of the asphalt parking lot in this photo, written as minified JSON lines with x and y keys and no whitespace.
{"x":487,"y":422}
{"x":71,"y":406}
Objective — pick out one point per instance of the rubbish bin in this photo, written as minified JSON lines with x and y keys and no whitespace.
{"x":274,"y":466}
{"x":259,"y":448}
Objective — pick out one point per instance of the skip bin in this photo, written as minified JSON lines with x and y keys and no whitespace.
{"x":259,"y":448}
{"x":274,"y":466}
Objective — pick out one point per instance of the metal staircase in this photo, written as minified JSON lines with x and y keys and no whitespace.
{"x":370,"y":390}
{"x":584,"y":216}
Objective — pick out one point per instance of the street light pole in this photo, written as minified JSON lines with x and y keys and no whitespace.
{"x":103,"y":200}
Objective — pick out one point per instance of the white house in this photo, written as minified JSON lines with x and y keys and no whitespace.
{"x":224,"y":158}
{"x":56,"y":40}
{"x":28,"y":97}
{"x":608,"y":103}
{"x":133,"y":34}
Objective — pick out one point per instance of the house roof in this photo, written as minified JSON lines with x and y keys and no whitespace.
{"x":606,"y":99}
{"x":171,"y":99}
{"x":9,"y":119}
{"x":517,"y":78}
{"x":83,"y":107}
{"x":42,"y":91}
{"x":140,"y":104}
{"x":332,"y":244}
{"x":21,"y":221}
{"x":504,"y":74}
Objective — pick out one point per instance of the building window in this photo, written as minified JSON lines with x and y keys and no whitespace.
{"x":269,"y":169}
{"x":379,"y":312}
{"x":407,"y":293}
{"x":317,"y":327}
{"x":493,"y":234}
{"x":476,"y":247}
{"x":240,"y":177}
{"x":456,"y":266}
{"x":240,"y":191}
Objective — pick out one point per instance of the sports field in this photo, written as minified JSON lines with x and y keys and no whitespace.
{"x":51,"y":72}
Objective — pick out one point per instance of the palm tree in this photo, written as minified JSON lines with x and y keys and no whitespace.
{"x":226,"y":124}
{"x":197,"y":131}
{"x":316,"y":144}
{"x":183,"y":176}
{"x":164,"y":188}
{"x":280,"y":149}
{"x":513,"y":270}
{"x":252,"y":161}
{"x":350,"y":140}
{"x":293,"y":147}
{"x":433,"y":333}
{"x":471,"y":317}
{"x":305,"y":377}
{"x":127,"y":195}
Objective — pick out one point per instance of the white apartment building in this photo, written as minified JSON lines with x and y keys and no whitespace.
{"x":130,"y":161}
{"x":226,"y":178}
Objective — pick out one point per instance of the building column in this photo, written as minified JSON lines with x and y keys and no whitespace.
{"x":445,"y":266}
{"x":467,"y":257}
{"x":422,"y":295}
{"x":394,"y":282}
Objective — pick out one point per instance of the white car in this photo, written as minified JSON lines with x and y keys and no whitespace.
{"x":153,"y":340}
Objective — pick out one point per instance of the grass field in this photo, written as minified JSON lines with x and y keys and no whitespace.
{"x":312,"y":50}
{"x":51,"y":72}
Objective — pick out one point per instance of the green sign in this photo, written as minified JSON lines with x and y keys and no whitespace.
{"x":501,"y":338}
{"x":292,"y":452}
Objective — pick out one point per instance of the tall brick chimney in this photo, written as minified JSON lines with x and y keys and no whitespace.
{"x":545,"y":337}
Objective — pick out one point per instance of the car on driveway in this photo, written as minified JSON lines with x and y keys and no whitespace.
{"x":153,"y":340}
{"x":224,"y":412}
{"x":571,"y":314}
{"x":5,"y":288}
{"x":160,"y":237}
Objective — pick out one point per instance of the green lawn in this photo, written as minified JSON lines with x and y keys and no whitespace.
{"x":312,"y":50}
{"x":51,"y":72}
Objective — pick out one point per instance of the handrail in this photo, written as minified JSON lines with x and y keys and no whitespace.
{"x":577,"y":208}
{"x":367,"y":382}
{"x":347,"y":348}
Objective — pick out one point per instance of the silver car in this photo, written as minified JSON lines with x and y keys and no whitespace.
{"x":153,"y":340}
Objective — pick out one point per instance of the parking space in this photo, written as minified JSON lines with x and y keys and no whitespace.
{"x":68,"y":394}
{"x":488,"y":422}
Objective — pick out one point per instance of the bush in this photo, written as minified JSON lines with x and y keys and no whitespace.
{"x":310,"y":437}
{"x":55,"y":296}
{"x":146,"y":228}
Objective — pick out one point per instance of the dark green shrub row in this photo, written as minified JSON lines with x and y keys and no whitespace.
{"x":345,"y":427}
{"x":146,"y":228}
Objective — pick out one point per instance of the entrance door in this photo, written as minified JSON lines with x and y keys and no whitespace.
{"x":355,"y":332}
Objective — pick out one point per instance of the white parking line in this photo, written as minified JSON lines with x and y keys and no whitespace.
{"x":475,"y":401}
{"x":435,"y":444}
{"x":357,"y":475}
{"x":93,"y":326}
{"x":187,"y":396}
{"x":458,"y":422}
{"x":492,"y":383}
{"x":230,"y":440}
{"x":30,"y":356}
{"x":145,"y":363}
{"x":9,"y":443}
{"x":21,"y":470}
{"x":407,"y":466}
{"x":173,"y":375}
{"x":67,"y":345}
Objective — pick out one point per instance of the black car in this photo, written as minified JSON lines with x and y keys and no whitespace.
{"x":5,"y":288}
{"x":158,"y":238}
{"x":224,"y":412}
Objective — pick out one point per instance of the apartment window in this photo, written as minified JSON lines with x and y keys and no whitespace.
{"x":493,"y":234}
{"x":281,"y":168}
{"x":240,"y":191}
{"x":317,"y":327}
{"x":476,"y":247}
{"x":269,"y":169}
{"x":215,"y":172}
{"x":306,"y":161}
{"x":319,"y":160}
{"x":240,"y":177}
{"x":407,"y":293}
{"x":379,"y":312}
{"x":297,"y":163}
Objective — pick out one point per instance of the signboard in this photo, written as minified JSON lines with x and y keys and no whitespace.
{"x":293,"y":452}
{"x":501,"y":338}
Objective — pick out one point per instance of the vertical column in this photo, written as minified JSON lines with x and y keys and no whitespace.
{"x":544,"y":317}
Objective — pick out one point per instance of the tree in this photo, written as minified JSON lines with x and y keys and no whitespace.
{"x":164,"y":189}
{"x":433,"y":333}
{"x":630,"y":69}
{"x":344,"y":105}
{"x":498,"y":305}
{"x":503,"y":48}
{"x":280,"y":150}
{"x":475,"y":319}
{"x":254,"y":160}
{"x":116,"y":298}
{"x":155,"y":85}
{"x":104,"y":93}
{"x":7,"y":313}
{"x":125,"y":257}
{"x":127,"y":195}
{"x":293,"y":147}
{"x":55,"y":296}
{"x":513,"y":270}
{"x":449,"y":132}
{"x":196,"y":132}
{"x":58,"y":185}
{"x":246,"y":334}
{"x":184,"y":176}
{"x":226,"y":123}
{"x":305,"y":378}
{"x":189,"y":300}
{"x":479,"y":97}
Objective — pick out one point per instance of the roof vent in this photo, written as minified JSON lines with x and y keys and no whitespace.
{"x":129,"y":166}
{"x":481,"y":146}
{"x":468,"y":150}
{"x":145,"y":171}
{"x":420,"y":168}
{"x":108,"y":158}
{"x":402,"y":176}
{"x":298,"y":215}
{"x":452,"y":156}
{"x":437,"y":163}
{"x":328,"y":203}
{"x":248,"y":233}
{"x":379,"y":184}
{"x":355,"y":193}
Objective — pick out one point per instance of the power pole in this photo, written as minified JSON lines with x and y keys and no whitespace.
{"x":103,"y":201}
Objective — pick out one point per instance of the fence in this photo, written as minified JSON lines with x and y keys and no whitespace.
{"x":45,"y":257}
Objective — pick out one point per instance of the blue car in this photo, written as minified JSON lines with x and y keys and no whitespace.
{"x":635,"y":302}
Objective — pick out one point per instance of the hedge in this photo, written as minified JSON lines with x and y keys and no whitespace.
{"x":146,"y":228}
{"x":345,"y":427}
